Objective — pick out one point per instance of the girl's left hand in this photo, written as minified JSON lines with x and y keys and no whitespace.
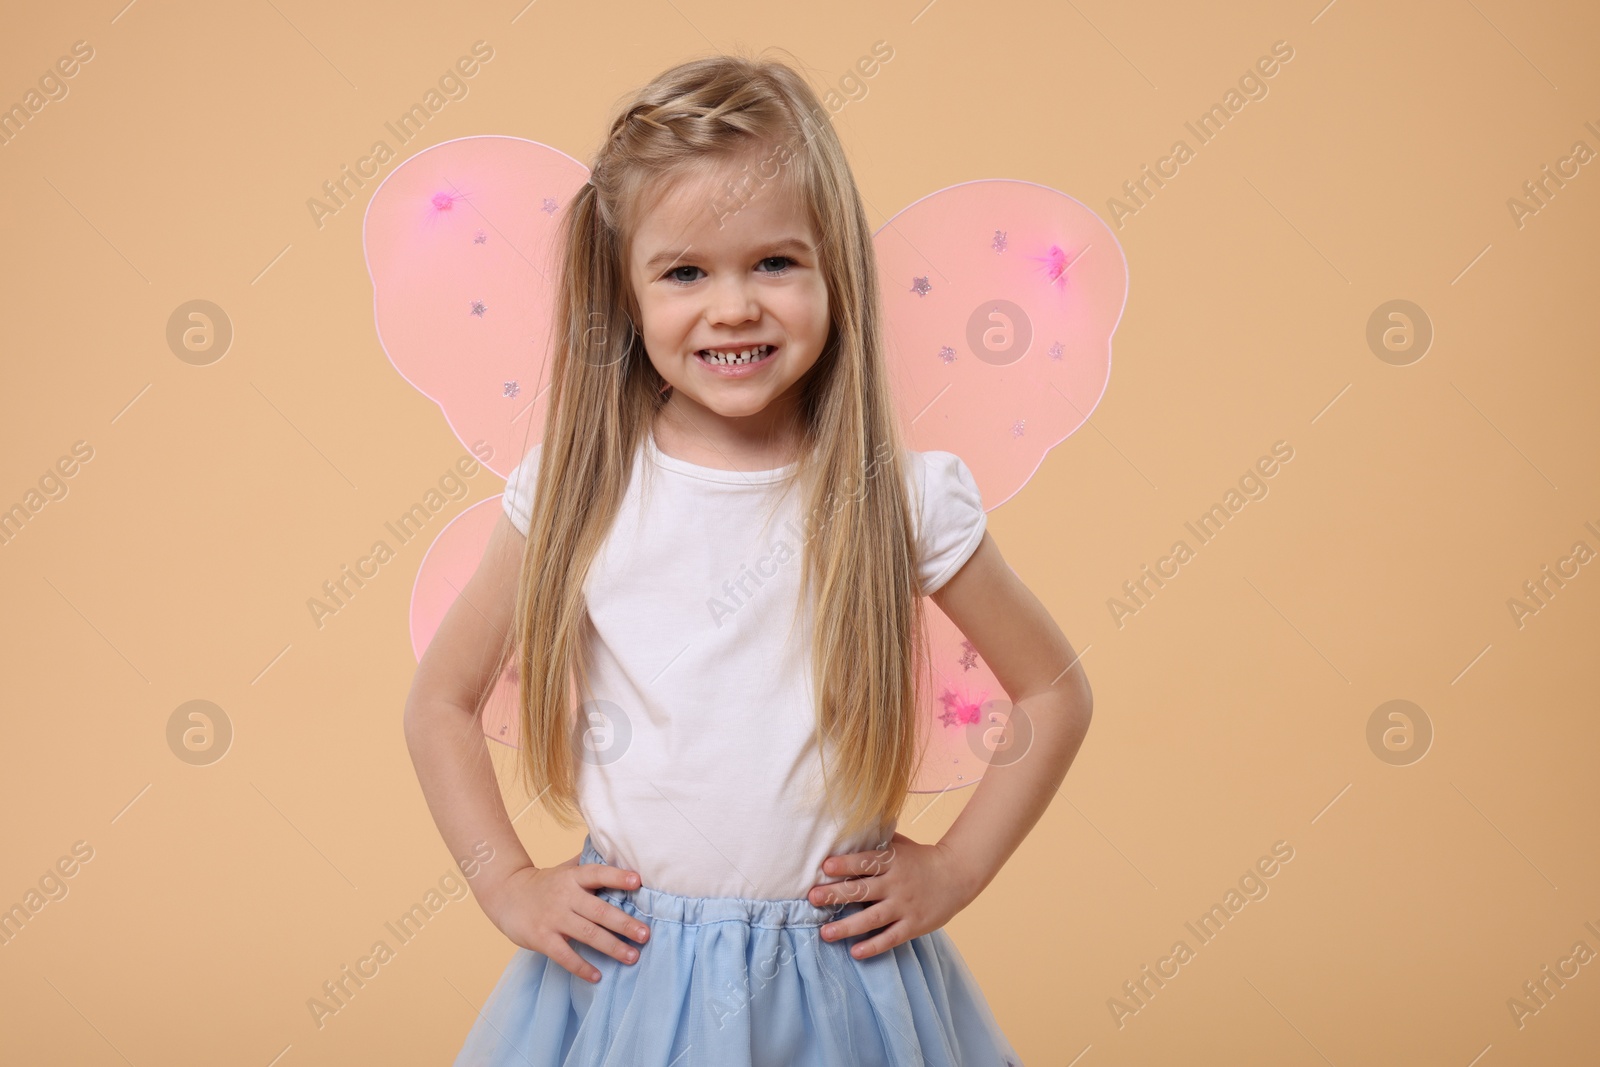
{"x":917,"y":887}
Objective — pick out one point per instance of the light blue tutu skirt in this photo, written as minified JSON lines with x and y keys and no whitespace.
{"x":735,"y":982}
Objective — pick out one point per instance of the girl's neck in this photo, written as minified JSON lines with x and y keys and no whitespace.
{"x":710,"y":440}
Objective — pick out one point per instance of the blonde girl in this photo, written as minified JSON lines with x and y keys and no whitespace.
{"x":709,"y":579}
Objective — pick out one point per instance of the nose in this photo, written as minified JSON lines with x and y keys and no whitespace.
{"x":732,"y":301}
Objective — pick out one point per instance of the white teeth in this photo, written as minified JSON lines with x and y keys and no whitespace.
{"x":733,"y":359}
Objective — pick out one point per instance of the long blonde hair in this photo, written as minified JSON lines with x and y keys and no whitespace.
{"x":859,"y":558}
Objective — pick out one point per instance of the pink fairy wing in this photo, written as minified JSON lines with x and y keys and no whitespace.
{"x":459,"y":243}
{"x":1000,"y":298}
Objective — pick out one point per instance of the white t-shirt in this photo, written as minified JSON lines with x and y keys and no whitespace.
{"x":699,"y":769}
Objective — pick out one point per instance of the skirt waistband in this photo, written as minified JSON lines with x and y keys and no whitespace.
{"x":661,"y":906}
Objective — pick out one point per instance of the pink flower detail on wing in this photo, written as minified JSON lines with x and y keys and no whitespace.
{"x":958,"y":709}
{"x":1056,"y":263}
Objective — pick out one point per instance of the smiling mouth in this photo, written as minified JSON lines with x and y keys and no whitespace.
{"x":737,"y":358}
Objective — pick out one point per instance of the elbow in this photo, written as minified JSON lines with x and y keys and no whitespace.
{"x":411,"y":722}
{"x":1084,"y":702}
{"x":428,"y":713}
{"x":416,"y":717}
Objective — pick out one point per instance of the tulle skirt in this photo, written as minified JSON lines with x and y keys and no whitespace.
{"x":735,"y":982}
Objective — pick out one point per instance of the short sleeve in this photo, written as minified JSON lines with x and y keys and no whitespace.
{"x":951,"y":518}
{"x":518,"y":498}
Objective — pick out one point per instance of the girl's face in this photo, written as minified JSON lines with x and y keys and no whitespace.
{"x":710,"y":272}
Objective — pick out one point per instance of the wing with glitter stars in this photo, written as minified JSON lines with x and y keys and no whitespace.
{"x":459,"y":242}
{"x":1000,"y":298}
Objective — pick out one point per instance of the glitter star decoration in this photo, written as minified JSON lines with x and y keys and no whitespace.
{"x":1000,"y":240}
{"x":920,"y":286}
{"x":947,"y":354}
{"x":1055,"y":351}
{"x":1016,"y":428}
{"x":478,"y":308}
{"x":510,"y":389}
{"x":479,"y":238}
{"x":969,"y":656}
{"x":549,"y":205}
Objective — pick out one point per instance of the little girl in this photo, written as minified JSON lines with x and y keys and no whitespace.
{"x":716,"y":556}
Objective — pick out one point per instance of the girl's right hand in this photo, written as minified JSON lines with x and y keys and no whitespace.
{"x":538,"y":908}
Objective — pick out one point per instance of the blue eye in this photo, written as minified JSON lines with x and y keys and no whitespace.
{"x":673,"y":275}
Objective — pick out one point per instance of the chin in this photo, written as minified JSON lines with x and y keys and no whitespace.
{"x":735,"y":411}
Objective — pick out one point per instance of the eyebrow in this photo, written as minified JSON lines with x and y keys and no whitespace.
{"x":784,"y":244}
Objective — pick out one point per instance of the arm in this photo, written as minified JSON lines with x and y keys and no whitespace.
{"x":442,"y":726}
{"x":537,"y":908}
{"x":919,"y":887}
{"x":1046,"y":683}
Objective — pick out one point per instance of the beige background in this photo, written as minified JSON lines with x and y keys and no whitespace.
{"x":1231,"y":711}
